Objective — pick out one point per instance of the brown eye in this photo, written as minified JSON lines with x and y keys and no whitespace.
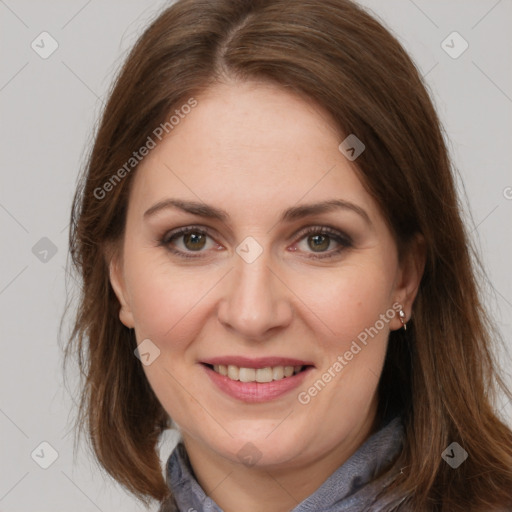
{"x":186,"y":241}
{"x":194,"y":241}
{"x":318,"y":239}
{"x":319,"y":242}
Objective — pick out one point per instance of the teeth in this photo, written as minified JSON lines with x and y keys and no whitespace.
{"x":233,"y":372}
{"x":267,"y":374}
{"x":278,"y":372}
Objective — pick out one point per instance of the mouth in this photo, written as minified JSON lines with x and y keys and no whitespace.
{"x":253,"y":382}
{"x":261,"y":375}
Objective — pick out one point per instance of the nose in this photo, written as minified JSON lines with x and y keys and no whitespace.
{"x":256,"y":300}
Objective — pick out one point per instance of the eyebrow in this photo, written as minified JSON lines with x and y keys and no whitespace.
{"x":288,"y":215}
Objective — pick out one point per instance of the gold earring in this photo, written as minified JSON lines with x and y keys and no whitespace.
{"x":401,"y":314}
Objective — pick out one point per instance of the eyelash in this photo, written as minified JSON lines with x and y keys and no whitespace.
{"x":333,"y":234}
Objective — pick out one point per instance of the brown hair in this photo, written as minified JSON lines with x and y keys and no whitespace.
{"x":441,"y":371}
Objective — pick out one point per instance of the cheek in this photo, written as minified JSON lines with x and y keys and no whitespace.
{"x":165,"y":299}
{"x":354,"y":312}
{"x":346,"y":300}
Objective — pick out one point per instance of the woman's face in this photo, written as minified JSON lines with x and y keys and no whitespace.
{"x":261,"y":274}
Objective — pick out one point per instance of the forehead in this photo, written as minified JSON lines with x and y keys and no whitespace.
{"x":250,"y":146}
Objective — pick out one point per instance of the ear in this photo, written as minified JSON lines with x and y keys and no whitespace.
{"x":118,"y":283}
{"x":411,"y":268}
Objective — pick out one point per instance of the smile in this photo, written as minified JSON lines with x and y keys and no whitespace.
{"x":256,"y":385}
{"x":267,"y":374}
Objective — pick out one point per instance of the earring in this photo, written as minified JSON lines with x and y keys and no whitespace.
{"x":401,"y":314}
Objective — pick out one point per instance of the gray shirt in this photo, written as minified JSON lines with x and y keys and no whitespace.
{"x":352,"y":487}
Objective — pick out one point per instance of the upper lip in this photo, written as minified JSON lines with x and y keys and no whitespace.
{"x":258,"y":362}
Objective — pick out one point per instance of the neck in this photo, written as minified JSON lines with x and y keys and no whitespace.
{"x":235,"y":486}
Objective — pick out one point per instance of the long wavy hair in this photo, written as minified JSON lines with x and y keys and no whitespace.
{"x":442,"y":372}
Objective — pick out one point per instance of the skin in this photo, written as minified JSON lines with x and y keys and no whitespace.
{"x":254,"y":149}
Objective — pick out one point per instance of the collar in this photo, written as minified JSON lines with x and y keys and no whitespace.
{"x":352,"y":487}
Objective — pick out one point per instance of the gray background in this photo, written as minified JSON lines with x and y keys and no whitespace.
{"x":48,"y":110}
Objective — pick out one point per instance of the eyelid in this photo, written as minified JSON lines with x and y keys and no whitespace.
{"x":339,"y":236}
{"x":184,"y":230}
{"x":301,"y":232}
{"x":324,"y":228}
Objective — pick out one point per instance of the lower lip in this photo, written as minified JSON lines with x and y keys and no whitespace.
{"x":256,"y":392}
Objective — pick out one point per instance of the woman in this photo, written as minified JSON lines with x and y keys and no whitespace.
{"x":274,"y":262}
